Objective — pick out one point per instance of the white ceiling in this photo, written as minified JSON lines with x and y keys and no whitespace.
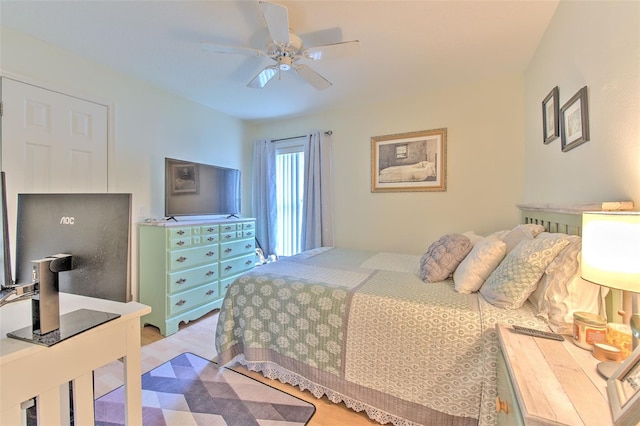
{"x":406,"y":46}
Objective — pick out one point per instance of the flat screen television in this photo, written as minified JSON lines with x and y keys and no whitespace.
{"x":196,"y":189}
{"x":94,"y":228}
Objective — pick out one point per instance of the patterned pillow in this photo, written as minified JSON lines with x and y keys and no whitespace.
{"x":443,"y":256}
{"x":485,"y":256}
{"x":516,"y":277}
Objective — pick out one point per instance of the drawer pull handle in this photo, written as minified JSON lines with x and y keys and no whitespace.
{"x":180,"y":243}
{"x":248,"y":234}
{"x":228,"y":250}
{"x":248,"y":262}
{"x":180,"y":232}
{"x":210,"y":292}
{"x":209,"y":273}
{"x":210,"y":239}
{"x":226,"y":228}
{"x":210,"y":253}
{"x":181,"y":259}
{"x":181,"y":281}
{"x":210,"y":229}
{"x":249,"y":226}
{"x":227,"y":236}
{"x":501,"y":405}
{"x":228,"y":268}
{"x":181,"y":302}
{"x":248,"y":246}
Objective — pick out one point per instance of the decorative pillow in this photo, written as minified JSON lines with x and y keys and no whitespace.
{"x":516,"y":277}
{"x":520,"y":233}
{"x":485,"y":256}
{"x":561,"y":290}
{"x":443,"y":256}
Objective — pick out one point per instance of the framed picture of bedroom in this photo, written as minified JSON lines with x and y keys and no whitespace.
{"x":414,"y":161}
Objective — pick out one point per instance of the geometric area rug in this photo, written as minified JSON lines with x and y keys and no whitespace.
{"x":190,"y":390}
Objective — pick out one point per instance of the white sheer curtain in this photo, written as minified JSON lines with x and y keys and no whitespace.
{"x":264,"y":194}
{"x":317,"y":205}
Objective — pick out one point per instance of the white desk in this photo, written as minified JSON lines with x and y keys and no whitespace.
{"x":28,"y":370}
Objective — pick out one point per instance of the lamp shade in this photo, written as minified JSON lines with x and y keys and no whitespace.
{"x":611,"y":249}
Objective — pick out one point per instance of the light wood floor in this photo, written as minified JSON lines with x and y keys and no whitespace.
{"x":198,"y":337}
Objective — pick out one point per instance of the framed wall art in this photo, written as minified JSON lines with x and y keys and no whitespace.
{"x":574,"y":123}
{"x":415,"y":161}
{"x":550,"y":116}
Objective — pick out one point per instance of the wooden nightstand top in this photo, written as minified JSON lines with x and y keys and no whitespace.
{"x":555,"y":382}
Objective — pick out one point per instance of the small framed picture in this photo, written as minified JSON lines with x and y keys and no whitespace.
{"x":623,"y":389}
{"x":550,"y":116}
{"x":574,"y":124}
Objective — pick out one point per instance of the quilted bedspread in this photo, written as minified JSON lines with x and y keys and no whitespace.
{"x":362,"y":328}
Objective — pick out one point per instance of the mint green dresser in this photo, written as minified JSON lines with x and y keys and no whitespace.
{"x":185,"y":267}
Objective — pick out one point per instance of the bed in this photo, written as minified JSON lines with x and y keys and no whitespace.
{"x":403,"y":337}
{"x":418,"y":172}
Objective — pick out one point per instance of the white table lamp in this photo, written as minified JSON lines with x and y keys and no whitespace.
{"x":611,"y":257}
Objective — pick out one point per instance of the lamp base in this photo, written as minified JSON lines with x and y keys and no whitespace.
{"x":607,"y":368}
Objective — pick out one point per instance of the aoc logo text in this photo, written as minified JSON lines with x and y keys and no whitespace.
{"x":67,"y":220}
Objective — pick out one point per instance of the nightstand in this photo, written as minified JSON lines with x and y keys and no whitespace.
{"x":546,"y":382}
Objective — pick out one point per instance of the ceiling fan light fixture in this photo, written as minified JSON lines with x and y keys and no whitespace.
{"x":284,"y":63}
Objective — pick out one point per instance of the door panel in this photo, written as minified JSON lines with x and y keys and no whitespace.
{"x":51,"y":142}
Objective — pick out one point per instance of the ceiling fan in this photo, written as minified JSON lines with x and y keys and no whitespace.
{"x":286,"y":49}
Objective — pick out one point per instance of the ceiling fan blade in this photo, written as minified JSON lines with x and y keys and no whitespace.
{"x":334,"y":50}
{"x":236,"y":50}
{"x":313,"y":78}
{"x":263,"y":77}
{"x":277,"y":19}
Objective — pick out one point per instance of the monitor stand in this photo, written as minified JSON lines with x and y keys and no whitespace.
{"x":71,"y":324}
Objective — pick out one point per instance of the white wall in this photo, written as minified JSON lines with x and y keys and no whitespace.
{"x":485,"y":163}
{"x":594,"y":44}
{"x":148,"y":124}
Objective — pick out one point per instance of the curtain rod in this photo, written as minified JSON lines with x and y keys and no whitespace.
{"x":328,"y":133}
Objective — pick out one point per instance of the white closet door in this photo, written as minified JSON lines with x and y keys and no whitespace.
{"x":51,"y":142}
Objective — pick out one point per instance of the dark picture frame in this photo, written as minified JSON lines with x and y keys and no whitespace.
{"x":551,"y":116}
{"x":414,"y":161}
{"x":184,"y":179}
{"x":574,"y":123}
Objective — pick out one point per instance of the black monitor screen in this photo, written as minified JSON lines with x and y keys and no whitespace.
{"x":94,"y":228}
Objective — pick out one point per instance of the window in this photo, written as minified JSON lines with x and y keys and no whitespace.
{"x":289,"y":193}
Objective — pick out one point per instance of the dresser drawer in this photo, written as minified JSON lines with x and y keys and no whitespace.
{"x":236,"y":248}
{"x":185,"y":279}
{"x":209,"y":229}
{"x":229,"y":236}
{"x":246,"y":233}
{"x":190,"y":299}
{"x":187,"y":258}
{"x":236,"y":265}
{"x":248,"y":226}
{"x":179,"y":233}
{"x":229,"y":227}
{"x":182,"y":242}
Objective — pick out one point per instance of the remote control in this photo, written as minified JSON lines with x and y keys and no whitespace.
{"x":537,"y":333}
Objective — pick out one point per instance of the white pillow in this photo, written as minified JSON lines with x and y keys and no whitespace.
{"x":485,"y":256}
{"x":520,"y":233}
{"x":561,"y":290}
